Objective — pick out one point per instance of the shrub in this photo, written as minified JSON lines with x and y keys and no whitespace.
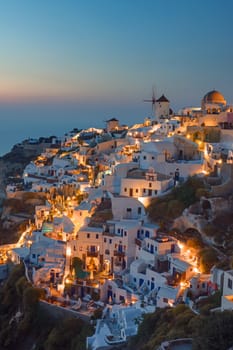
{"x":208,"y":258}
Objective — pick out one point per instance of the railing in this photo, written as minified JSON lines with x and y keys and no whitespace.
{"x":138,"y":242}
{"x":119,"y":253}
{"x":92,"y":254}
{"x":107,"y":233}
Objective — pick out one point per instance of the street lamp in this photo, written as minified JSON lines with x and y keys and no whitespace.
{"x":68,"y":251}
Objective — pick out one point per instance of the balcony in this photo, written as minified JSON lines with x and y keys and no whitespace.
{"x":138,"y":242}
{"x":119,"y":253}
{"x":92,"y":254}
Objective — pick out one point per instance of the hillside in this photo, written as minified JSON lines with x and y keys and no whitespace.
{"x":15,"y":212}
{"x":210,"y":331}
{"x":25,"y":325}
{"x":193,"y":215}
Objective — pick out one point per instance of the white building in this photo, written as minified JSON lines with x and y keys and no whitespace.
{"x":162,"y":107}
{"x":19,"y":254}
{"x":88,"y":246}
{"x":145,"y":184}
{"x":81,"y":213}
{"x":227,"y":295}
{"x":42,"y":213}
{"x":111,"y":180}
{"x":127,"y":208}
{"x":166,"y":296}
{"x":47,"y":250}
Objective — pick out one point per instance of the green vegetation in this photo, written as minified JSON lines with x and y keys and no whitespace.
{"x":205,"y":305}
{"x":208,"y":258}
{"x":172,"y":205}
{"x":77,"y":267}
{"x":24,"y":324}
{"x":213,"y":332}
{"x":68,"y":334}
{"x":163,"y":324}
{"x":208,"y":331}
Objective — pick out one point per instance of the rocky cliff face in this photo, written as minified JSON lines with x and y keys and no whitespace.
{"x":212,"y":219}
{"x":12,"y":165}
{"x":198,"y":215}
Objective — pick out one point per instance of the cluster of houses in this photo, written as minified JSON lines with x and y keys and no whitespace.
{"x":98,"y":183}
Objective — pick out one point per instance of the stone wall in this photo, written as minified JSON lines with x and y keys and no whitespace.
{"x":226,"y":188}
{"x":60,"y":312}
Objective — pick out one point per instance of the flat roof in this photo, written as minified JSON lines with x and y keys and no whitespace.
{"x":91,"y":229}
{"x":168,"y":292}
{"x":22,"y":251}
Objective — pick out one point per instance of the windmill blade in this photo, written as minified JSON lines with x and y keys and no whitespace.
{"x":154,"y":93}
{"x":153,"y":98}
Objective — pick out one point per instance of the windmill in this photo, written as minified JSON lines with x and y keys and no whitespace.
{"x":152,"y":100}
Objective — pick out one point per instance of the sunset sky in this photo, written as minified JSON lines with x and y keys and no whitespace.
{"x":102,"y":57}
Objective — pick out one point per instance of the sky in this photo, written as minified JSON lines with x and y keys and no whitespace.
{"x":75,"y":63}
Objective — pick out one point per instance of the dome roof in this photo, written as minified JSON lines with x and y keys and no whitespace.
{"x":214,"y":96}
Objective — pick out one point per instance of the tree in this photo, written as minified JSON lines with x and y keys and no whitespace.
{"x":172,"y":205}
{"x":195,"y":243}
{"x":31,"y":297}
{"x":68,"y":334}
{"x":208,"y":258}
{"x":214,"y":334}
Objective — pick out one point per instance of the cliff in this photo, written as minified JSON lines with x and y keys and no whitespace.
{"x":12,"y":165}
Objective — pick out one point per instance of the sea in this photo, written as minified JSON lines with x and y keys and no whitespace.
{"x":33,"y":120}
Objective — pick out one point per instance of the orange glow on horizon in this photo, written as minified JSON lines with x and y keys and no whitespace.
{"x":56,"y":90}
